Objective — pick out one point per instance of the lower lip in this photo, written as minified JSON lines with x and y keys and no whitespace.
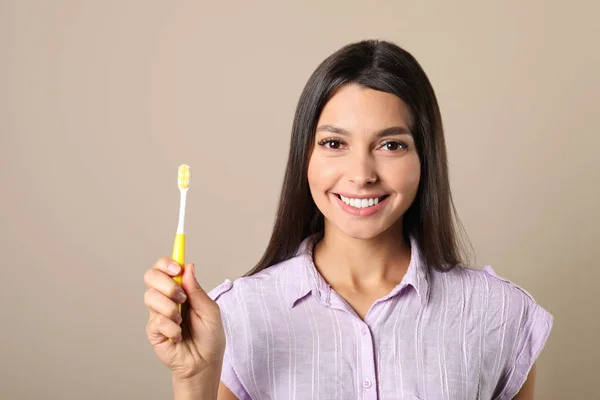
{"x":361,"y":212}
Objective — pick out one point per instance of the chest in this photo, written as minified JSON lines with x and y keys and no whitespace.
{"x":398,"y":348}
{"x":359,"y":303}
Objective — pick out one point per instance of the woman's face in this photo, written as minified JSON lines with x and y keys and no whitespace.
{"x":364,"y":169}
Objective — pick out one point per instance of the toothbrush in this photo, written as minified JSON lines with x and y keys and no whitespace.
{"x":183,"y":182}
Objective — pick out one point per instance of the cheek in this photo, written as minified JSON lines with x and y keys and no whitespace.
{"x":406,"y":178}
{"x":322,"y":174}
{"x":413,"y":176}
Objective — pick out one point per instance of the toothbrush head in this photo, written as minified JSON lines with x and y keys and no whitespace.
{"x":183,"y":176}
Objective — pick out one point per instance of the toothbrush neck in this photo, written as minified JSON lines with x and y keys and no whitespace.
{"x":180,"y":225}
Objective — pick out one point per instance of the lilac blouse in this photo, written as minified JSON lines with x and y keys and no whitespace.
{"x":464,"y":334}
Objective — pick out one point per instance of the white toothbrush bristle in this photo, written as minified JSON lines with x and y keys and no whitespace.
{"x":183,"y":176}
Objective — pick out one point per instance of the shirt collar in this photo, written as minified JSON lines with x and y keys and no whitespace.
{"x":307,"y":279}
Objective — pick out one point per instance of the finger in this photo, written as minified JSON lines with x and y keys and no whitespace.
{"x":198,"y":299}
{"x":161,"y":328}
{"x":154,"y":336}
{"x":156,"y":279}
{"x":168,"y":266}
{"x":158,"y":303}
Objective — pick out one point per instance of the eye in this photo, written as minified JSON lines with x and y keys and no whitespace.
{"x":394,"y":145}
{"x":333,"y":144}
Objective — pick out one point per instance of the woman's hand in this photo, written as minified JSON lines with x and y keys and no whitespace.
{"x":192,"y":341}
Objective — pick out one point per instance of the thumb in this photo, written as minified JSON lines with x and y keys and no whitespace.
{"x":198,"y":299}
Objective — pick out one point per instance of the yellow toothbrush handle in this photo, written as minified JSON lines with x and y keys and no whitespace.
{"x":179,"y":256}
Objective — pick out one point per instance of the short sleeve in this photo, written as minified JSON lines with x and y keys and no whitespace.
{"x":232,"y":381}
{"x":228,"y":375}
{"x":219,"y":290}
{"x":533,"y":330}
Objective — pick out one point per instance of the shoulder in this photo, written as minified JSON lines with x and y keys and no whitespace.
{"x":245,"y":303}
{"x":520,"y":324}
{"x":500,"y":301}
{"x":513,"y":326}
{"x":229,"y":293}
{"x":483,"y":283}
{"x":512,"y":304}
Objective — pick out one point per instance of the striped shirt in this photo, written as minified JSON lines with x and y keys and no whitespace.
{"x":464,"y":334}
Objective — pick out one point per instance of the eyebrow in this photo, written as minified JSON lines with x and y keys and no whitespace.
{"x":392,"y":131}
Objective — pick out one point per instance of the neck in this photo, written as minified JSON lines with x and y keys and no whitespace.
{"x":362,"y":265}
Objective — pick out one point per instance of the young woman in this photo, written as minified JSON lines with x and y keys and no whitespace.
{"x":363,"y":291}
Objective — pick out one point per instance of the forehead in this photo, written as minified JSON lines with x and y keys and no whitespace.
{"x":356,"y":107}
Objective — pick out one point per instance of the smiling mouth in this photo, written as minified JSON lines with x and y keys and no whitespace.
{"x":362,"y":203}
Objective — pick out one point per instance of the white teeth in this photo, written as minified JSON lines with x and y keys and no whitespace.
{"x":360,"y":203}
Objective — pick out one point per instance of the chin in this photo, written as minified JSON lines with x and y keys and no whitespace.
{"x":360,"y":231}
{"x":362,"y":235}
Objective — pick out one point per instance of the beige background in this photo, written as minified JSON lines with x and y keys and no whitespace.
{"x":100,"y":101}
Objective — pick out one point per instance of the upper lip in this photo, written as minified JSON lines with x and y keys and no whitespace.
{"x":362,"y":196}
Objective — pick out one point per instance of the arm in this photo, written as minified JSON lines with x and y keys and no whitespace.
{"x":201,"y":389}
{"x":204,"y":386}
{"x":225,"y":393}
{"x":526,"y":392}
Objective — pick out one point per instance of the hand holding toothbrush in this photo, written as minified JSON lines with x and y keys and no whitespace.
{"x":188,"y":340}
{"x":197,"y":344}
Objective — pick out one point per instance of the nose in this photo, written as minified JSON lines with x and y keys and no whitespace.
{"x":362,"y":170}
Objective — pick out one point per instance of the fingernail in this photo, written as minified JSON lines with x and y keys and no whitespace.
{"x":178,"y":319}
{"x":174,"y":268}
{"x":181,"y":296}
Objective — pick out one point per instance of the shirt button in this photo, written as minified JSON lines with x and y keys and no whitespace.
{"x":363,"y":330}
{"x":367,"y":383}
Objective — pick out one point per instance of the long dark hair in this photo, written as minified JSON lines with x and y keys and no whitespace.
{"x":432,"y":218}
